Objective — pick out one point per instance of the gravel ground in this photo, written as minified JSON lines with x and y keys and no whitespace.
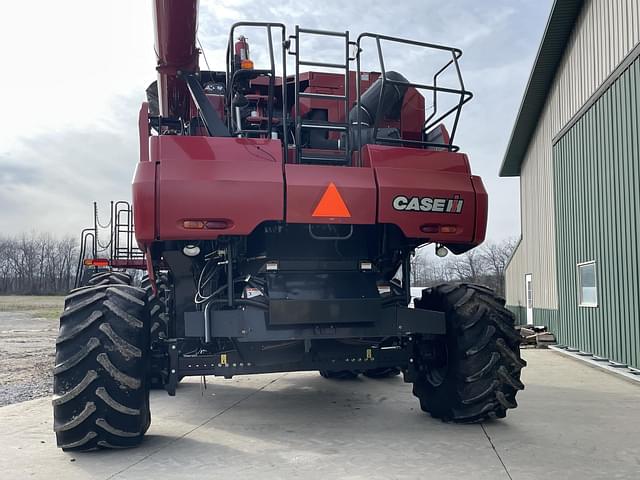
{"x":28,"y":329}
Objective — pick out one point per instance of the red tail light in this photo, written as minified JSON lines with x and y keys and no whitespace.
{"x":429,"y":228}
{"x":439,"y":228}
{"x":218,"y":224}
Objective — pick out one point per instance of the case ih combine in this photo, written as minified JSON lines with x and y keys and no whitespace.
{"x":276,"y":217}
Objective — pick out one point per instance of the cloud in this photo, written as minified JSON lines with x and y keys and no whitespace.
{"x":49,"y":181}
{"x":77,"y":83}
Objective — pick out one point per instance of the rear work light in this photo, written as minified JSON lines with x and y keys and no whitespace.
{"x":191,"y":250}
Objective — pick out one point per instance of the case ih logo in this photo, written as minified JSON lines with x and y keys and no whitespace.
{"x":428,"y":204}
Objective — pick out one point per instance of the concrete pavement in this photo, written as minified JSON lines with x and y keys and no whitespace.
{"x":573,"y":422}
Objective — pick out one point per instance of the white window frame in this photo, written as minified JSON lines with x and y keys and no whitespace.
{"x":528,"y":308}
{"x":581,"y":303}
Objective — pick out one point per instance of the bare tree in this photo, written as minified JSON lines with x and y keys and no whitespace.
{"x":484,"y":265}
{"x":469,"y":267}
{"x":496,"y":256}
{"x":36,"y":264}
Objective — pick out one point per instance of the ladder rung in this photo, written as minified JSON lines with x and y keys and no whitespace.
{"x":326,"y":96}
{"x":324,"y":125}
{"x":254,"y":97}
{"x":324,"y":159}
{"x":322,"y":32}
{"x":260,"y":119}
{"x":322,"y":64}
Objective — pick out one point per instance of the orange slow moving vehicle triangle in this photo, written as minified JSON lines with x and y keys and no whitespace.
{"x":331,"y":204}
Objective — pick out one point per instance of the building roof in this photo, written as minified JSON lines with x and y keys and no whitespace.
{"x":554,"y":42}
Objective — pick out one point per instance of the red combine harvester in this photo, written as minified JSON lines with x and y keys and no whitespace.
{"x":276,"y":217}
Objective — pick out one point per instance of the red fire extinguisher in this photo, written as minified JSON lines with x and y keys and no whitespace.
{"x":242,"y":57}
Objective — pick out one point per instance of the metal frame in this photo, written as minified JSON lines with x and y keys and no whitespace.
{"x":121,"y":251}
{"x":212,"y":121}
{"x":256,"y":348}
{"x":271,"y":72}
{"x":429,"y":123}
{"x":123,"y":225}
{"x":252,"y":324}
{"x":581,"y":303}
{"x":284,"y":357}
{"x":308,"y":124}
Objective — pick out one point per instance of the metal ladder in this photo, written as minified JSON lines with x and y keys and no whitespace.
{"x":300,"y":125}
{"x":123,"y":240}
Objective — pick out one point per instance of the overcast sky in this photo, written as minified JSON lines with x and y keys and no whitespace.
{"x":74,"y":74}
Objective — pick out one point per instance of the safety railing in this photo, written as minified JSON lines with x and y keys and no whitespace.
{"x":306,"y":124}
{"x":434,"y":117}
{"x":120,"y":249}
{"x":234,"y":75}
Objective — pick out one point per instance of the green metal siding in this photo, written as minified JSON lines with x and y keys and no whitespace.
{"x":597,"y":211}
{"x":546,"y":316}
{"x":520,"y":312}
{"x":541,"y":316}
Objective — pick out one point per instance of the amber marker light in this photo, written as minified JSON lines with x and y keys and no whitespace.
{"x":193,"y":224}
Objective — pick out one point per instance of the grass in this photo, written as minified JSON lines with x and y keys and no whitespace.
{"x":48,"y":307}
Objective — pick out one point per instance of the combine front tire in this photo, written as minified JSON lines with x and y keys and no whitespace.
{"x":101,"y":398}
{"x":474,"y":373}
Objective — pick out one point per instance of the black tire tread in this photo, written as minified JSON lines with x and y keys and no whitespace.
{"x":100,"y":392}
{"x":484,"y":356}
{"x":109,"y":278}
{"x":159,"y":307}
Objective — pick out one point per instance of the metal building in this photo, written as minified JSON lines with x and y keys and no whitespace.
{"x":575,"y":146}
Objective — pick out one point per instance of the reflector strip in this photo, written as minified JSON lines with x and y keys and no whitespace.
{"x":331,"y":204}
{"x":95,"y":262}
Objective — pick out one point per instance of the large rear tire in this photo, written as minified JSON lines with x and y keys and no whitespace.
{"x":478,"y":373}
{"x":109,"y":277}
{"x":159,"y":305}
{"x":101,"y":398}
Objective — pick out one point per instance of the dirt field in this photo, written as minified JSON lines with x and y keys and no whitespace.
{"x":28,"y":328}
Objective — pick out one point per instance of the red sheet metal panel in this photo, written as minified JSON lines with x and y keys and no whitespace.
{"x":225,"y":180}
{"x":423,"y":191}
{"x":482,"y":210}
{"x":144,"y":206}
{"x":307,"y":185}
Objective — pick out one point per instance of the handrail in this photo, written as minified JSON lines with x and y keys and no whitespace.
{"x":429,"y":122}
{"x":301,"y":124}
{"x":230,"y":78}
